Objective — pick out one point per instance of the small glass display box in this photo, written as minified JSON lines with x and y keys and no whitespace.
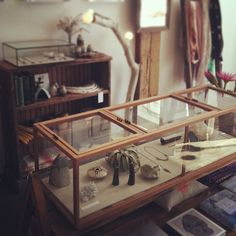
{"x":27,"y":53}
{"x":112,"y":160}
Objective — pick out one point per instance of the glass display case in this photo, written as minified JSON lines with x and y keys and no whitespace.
{"x":159,"y":113}
{"x":26,"y":53}
{"x":119,"y":158}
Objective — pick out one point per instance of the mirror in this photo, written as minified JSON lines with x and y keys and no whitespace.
{"x":153,"y":15}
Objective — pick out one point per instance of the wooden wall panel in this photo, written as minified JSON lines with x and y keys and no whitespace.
{"x":149,"y":57}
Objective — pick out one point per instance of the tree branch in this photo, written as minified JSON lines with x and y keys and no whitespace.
{"x":134,"y":67}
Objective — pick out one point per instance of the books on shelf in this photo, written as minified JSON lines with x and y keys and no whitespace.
{"x":192,"y":222}
{"x":24,"y":89}
{"x":222,"y":207}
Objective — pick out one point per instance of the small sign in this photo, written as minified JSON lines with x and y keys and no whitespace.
{"x":100,"y":97}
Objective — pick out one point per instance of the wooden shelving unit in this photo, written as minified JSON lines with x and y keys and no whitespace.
{"x":75,"y":73}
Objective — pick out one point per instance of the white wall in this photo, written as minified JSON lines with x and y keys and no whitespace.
{"x":171,"y":75}
{"x":228,"y":9}
{"x":25,"y":21}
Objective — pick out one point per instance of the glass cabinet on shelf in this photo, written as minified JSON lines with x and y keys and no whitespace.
{"x":37,"y":52}
{"x":120,"y":157}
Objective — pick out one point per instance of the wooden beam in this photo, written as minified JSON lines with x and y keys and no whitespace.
{"x":148,"y":55}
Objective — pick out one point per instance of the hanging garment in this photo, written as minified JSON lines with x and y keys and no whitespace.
{"x":198,"y":40}
{"x":216,"y":33}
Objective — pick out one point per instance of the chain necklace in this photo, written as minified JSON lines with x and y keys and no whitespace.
{"x":147,"y":157}
{"x":147,"y":148}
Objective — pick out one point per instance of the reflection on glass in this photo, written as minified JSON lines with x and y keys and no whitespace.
{"x":156,"y":114}
{"x":153,"y":13}
{"x":207,"y":141}
{"x":89,"y":132}
{"x":213,"y":138}
{"x":214,"y":98}
{"x":36,"y":44}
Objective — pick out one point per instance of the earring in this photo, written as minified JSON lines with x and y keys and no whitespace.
{"x":115,"y":180}
{"x":131,"y":180}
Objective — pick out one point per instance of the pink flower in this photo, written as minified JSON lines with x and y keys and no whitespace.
{"x":226,"y":77}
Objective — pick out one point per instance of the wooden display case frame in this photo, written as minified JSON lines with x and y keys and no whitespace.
{"x":135,"y":201}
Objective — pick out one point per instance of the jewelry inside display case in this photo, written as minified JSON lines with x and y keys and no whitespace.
{"x":123,"y":156}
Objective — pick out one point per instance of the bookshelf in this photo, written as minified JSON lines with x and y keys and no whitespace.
{"x":75,"y":73}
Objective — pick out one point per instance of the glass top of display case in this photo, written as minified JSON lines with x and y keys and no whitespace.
{"x":155,"y":114}
{"x":88,"y":132}
{"x":37,"y":43}
{"x":212,"y":97}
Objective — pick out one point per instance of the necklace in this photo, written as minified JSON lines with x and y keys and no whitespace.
{"x":147,"y":150}
{"x":163,"y":168}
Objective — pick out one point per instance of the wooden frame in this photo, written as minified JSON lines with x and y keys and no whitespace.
{"x":140,"y":198}
{"x":153,"y":16}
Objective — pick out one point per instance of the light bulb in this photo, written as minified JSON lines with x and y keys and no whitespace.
{"x":87,"y":17}
{"x":129,"y":35}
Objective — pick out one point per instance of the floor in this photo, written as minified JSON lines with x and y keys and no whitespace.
{"x":11,"y":207}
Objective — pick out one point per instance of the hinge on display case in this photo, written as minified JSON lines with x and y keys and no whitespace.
{"x":55,"y":137}
{"x":121,"y":120}
{"x":191,"y":99}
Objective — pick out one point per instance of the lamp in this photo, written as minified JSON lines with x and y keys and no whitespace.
{"x":92,"y":17}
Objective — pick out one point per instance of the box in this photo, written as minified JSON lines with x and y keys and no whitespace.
{"x":192,"y":222}
{"x":222,"y":207}
{"x":230,"y":184}
{"x":26,"y":53}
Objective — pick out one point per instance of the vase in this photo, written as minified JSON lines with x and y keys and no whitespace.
{"x":227,"y":122}
{"x":69,"y":38}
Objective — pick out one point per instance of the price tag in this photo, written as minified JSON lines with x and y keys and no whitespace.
{"x":100,"y":97}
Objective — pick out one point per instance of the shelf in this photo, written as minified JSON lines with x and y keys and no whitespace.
{"x":81,"y":71}
{"x":59,"y":100}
